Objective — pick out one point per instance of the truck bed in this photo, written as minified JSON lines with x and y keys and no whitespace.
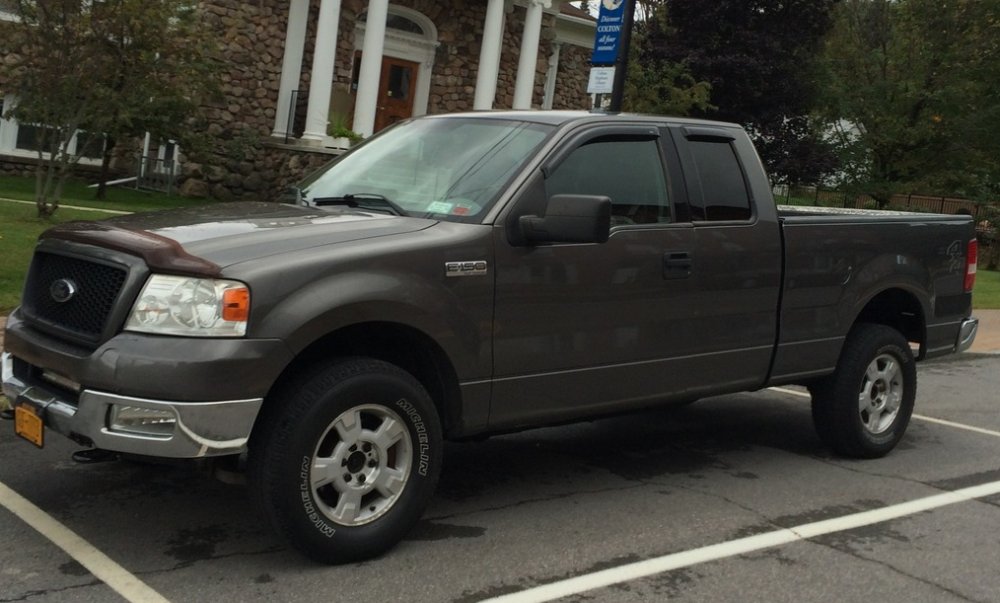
{"x":838,"y":260}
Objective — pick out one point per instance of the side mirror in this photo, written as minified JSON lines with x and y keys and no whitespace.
{"x":569,"y":219}
{"x":292,"y":195}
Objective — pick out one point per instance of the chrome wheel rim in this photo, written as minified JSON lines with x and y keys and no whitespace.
{"x":881,"y":394}
{"x":361,"y":465}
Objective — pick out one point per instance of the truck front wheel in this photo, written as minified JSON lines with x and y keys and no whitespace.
{"x":863,"y":409}
{"x":346,"y":459}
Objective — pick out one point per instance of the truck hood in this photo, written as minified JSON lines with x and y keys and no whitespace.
{"x":203,"y":240}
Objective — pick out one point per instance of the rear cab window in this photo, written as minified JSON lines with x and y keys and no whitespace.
{"x":716,"y":180}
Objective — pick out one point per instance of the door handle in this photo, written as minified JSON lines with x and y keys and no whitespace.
{"x":676,"y":265}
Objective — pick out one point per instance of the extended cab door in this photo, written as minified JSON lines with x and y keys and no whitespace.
{"x":659,"y":311}
{"x":737,"y":254}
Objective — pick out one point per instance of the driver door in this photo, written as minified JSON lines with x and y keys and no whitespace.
{"x":582,"y":328}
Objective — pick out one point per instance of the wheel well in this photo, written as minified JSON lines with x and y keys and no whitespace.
{"x":897,"y":309}
{"x":403,"y":346}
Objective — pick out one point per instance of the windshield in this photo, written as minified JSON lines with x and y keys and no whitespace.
{"x":449,"y":168}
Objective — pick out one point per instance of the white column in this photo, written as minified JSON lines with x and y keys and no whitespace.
{"x":489,"y":56}
{"x":551,"y":76}
{"x":291,"y":64}
{"x":524,"y":86}
{"x":145,"y":155}
{"x":371,"y":68}
{"x":422,"y":91}
{"x":321,"y":81}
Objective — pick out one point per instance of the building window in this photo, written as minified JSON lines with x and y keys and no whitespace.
{"x":397,"y":22}
{"x":167,"y":158}
{"x":8,"y":10}
{"x":25,"y":139}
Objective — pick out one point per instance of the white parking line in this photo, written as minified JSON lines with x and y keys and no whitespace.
{"x":723,"y":550}
{"x":100,"y":565}
{"x":958,"y":425}
{"x":793,"y":392}
{"x":642,"y":569}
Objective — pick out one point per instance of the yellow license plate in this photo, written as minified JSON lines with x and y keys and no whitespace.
{"x":29,"y":425}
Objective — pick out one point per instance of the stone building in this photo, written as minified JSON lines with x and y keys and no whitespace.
{"x":295,"y":69}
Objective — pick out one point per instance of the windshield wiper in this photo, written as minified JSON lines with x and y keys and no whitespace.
{"x":370,"y":201}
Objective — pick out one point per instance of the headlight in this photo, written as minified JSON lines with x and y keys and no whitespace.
{"x":194,"y":307}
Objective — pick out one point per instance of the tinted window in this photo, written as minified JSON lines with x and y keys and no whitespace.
{"x":722,"y":184}
{"x":628,"y":171}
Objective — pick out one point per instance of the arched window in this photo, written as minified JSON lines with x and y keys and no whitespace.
{"x":398,"y":22}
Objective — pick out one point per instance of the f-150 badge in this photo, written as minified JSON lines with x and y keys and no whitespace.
{"x":473,"y":268}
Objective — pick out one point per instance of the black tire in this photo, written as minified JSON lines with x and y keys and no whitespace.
{"x":877,"y":370}
{"x":379,"y":433}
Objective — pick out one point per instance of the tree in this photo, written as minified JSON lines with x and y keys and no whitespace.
{"x":50,"y":76}
{"x":161,"y":74}
{"x":115,"y":68}
{"x":654,"y":85}
{"x":760,"y":59}
{"x":911,"y":88}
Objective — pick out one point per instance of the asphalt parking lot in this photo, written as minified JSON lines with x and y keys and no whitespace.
{"x":645,"y":507}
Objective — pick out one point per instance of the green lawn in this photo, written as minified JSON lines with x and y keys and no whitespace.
{"x":20,"y":226}
{"x":77,"y":193}
{"x":986,"y":295}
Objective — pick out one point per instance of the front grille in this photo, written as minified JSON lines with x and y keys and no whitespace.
{"x":95,"y":288}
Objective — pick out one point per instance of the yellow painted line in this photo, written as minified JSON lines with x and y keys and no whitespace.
{"x":97,"y":563}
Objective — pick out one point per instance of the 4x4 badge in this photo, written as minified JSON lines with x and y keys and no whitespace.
{"x":62,"y":290}
{"x":473,"y":268}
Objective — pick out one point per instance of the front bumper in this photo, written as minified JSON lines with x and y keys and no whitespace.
{"x":199,"y":429}
{"x":204,"y":394}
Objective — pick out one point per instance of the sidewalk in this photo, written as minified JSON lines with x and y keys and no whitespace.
{"x":77,"y":207}
{"x":987,"y":340}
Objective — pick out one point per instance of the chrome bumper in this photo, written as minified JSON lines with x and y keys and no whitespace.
{"x":199,"y":429}
{"x":967,"y":334}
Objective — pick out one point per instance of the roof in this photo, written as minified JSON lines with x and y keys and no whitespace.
{"x":558,"y":118}
{"x":572,"y":11}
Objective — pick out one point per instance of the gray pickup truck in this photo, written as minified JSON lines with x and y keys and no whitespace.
{"x":468,"y":274}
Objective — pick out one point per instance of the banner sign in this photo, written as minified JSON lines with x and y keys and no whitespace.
{"x":609,"y":32}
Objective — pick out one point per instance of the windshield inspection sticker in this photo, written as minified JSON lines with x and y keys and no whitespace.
{"x":439,"y":207}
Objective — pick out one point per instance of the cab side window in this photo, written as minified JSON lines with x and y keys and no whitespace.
{"x":723,"y":188}
{"x":630,"y":172}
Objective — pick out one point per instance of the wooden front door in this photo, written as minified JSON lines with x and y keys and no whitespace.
{"x":395,"y":91}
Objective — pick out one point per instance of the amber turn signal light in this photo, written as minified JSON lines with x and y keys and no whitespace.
{"x":236,"y":304}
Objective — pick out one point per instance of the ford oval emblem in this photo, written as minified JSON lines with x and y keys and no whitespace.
{"x":62,"y":290}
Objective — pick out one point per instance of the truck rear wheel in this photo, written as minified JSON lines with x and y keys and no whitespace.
{"x":346,"y":460}
{"x":863,"y":409}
